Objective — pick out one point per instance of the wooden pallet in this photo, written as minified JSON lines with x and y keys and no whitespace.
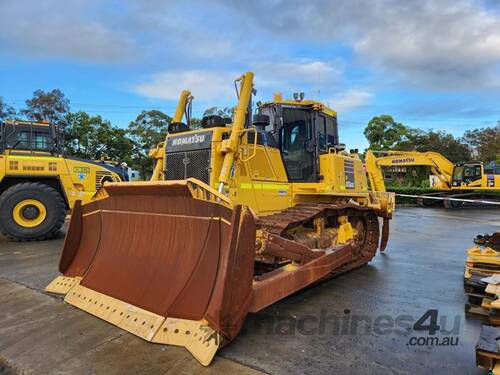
{"x":487,"y":348}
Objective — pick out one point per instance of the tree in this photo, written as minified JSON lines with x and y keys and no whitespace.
{"x":195,"y":123}
{"x":91,"y":137}
{"x":224,"y":112}
{"x":384,"y":133}
{"x":485,"y":143}
{"x":49,"y":106}
{"x":146,"y":131}
{"x":438,"y":141}
{"x":6,"y":111}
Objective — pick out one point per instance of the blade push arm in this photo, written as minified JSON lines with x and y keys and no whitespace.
{"x":158,"y":153}
{"x":230,"y":146}
{"x":181,"y":106}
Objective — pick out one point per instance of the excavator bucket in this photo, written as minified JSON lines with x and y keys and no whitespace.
{"x":171,"y":262}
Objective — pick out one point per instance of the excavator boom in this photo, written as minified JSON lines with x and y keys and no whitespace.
{"x":440,"y":166}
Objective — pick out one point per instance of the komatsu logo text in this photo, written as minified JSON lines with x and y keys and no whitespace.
{"x":189,"y":142}
{"x":180,"y":141}
{"x":404,"y":160}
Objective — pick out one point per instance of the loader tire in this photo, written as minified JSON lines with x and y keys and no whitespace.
{"x":31,"y":211}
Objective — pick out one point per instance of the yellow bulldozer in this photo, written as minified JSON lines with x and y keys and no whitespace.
{"x":240,"y":214}
{"x":463,"y":184}
{"x":38,"y":184}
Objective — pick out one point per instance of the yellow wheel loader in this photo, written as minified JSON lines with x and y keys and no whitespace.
{"x":469,"y":181}
{"x":241,"y":214}
{"x":38,"y":185}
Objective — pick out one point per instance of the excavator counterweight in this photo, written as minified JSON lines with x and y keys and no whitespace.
{"x":236,"y":218}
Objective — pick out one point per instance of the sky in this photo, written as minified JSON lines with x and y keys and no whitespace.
{"x":431,"y":64}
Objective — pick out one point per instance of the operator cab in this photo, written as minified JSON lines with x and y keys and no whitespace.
{"x":302,"y":130}
{"x":28,"y":137}
{"x":466,"y":173}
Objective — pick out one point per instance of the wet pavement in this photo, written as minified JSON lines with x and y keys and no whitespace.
{"x":359,"y":323}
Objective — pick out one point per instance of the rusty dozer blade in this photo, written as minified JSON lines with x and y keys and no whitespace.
{"x":160,"y":263}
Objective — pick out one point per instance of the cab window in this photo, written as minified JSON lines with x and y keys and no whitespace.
{"x":331,"y":131}
{"x":21,"y":137}
{"x":295,"y":137}
{"x":21,"y":140}
{"x":471,"y":173}
{"x":40,"y":141}
{"x":321,"y":136}
{"x":326,"y":132}
{"x":458,"y":173}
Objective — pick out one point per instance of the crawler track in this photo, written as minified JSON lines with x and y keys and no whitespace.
{"x":363,"y":248}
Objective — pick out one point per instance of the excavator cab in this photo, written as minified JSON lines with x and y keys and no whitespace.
{"x":467,"y":173}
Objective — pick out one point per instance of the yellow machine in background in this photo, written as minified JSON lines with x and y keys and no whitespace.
{"x":38,"y":185}
{"x":240,"y":214}
{"x":470,"y":180}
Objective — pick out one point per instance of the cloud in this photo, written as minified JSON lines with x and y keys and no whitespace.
{"x":204,"y":85}
{"x":445,"y":45}
{"x":297,"y":75}
{"x":439,"y":45}
{"x":55,"y":29}
{"x":217,"y":85}
{"x":350,"y":99}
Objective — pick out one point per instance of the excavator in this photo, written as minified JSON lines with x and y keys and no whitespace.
{"x":240,"y":214}
{"x":460,"y":184}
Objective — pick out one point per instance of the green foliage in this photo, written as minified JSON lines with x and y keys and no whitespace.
{"x":91,"y":137}
{"x":417,"y":176}
{"x":384,"y":133}
{"x":146,"y":131}
{"x":49,"y":106}
{"x":439,"y":141}
{"x":6,"y":111}
{"x":195,"y":123}
{"x":485,"y":143}
{"x":224,"y":112}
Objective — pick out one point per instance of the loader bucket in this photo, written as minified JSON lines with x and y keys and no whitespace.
{"x":170,"y":262}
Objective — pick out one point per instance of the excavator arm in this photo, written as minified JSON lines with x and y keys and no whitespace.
{"x":440,"y":166}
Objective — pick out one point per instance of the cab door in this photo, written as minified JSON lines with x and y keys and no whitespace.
{"x":297,"y":145}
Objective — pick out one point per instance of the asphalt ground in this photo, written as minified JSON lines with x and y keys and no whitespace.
{"x":361,"y":322}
